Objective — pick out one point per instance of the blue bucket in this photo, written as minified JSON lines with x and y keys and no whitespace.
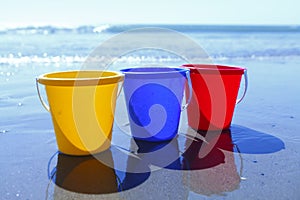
{"x":154,"y":101}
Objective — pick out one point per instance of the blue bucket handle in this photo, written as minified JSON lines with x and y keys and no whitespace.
{"x":188,"y":77}
{"x":246,"y":87}
{"x":120,"y":89}
{"x":53,"y":171}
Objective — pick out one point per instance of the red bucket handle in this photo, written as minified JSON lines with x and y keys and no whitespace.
{"x":246,"y":87}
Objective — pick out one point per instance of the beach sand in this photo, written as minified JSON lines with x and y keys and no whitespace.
{"x":265,"y":129}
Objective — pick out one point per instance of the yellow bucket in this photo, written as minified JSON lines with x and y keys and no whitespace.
{"x":82,"y":106}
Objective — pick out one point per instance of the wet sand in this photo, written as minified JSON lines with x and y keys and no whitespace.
{"x":263,"y":163}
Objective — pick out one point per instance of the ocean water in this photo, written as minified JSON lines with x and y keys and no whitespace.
{"x":28,"y":52}
{"x":72,"y":45}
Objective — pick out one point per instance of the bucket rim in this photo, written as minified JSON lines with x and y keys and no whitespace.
{"x":115,"y":77}
{"x":214,"y":68}
{"x":169,"y":70}
{"x":159,"y":73}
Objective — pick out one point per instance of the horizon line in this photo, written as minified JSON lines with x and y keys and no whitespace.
{"x":23,"y":25}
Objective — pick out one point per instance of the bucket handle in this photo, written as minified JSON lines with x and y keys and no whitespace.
{"x":246,"y":87}
{"x":188,"y":77}
{"x":53,"y":171}
{"x":120,"y":90}
{"x":40,"y":97}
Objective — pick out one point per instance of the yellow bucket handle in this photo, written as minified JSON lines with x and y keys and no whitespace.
{"x":40,"y":97}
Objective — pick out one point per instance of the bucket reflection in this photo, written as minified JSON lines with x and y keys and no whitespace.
{"x":163,"y":183}
{"x":88,"y":175}
{"x":85,"y":174}
{"x":135,"y":171}
{"x":201,"y":155}
{"x":215,"y":173}
{"x":161,"y":154}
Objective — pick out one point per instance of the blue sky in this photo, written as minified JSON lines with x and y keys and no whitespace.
{"x":97,"y":12}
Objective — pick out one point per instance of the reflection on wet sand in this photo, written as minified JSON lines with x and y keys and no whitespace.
{"x":215,"y":173}
{"x":89,"y":175}
{"x":85,"y":175}
{"x":210,"y":163}
{"x":157,"y":155}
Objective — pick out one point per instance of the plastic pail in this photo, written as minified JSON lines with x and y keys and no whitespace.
{"x":153,"y":98}
{"x":215,"y":91}
{"x":82,"y":105}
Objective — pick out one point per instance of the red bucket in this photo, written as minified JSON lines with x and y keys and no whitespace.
{"x":215,"y":91}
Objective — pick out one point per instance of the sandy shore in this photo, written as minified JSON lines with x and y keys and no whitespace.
{"x":263,"y":163}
